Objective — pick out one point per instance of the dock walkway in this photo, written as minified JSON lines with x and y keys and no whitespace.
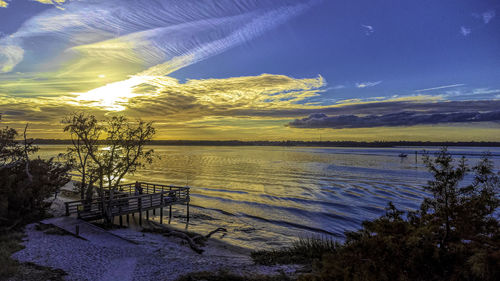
{"x":88,"y":231}
{"x":132,"y":198}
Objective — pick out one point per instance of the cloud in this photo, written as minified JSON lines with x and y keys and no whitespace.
{"x":405,"y":118}
{"x":488,"y":16}
{"x":465,"y":31}
{"x":164,"y":98}
{"x":368,"y":29}
{"x":4,"y":3}
{"x":150,"y":35}
{"x":52,"y":2}
{"x":223,"y":97}
{"x":440,"y":87}
{"x":10,"y":54}
{"x":367,"y":84}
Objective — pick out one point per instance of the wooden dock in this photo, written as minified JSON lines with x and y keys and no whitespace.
{"x":129,"y":199}
{"x":87,"y":231}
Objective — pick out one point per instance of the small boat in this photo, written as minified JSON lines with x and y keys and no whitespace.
{"x":402,"y":155}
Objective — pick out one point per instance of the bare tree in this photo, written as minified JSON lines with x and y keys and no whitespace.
{"x":78,"y":156}
{"x":108,"y":159}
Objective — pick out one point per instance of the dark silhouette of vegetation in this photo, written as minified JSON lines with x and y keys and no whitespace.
{"x":228,"y":276}
{"x":25,"y":183}
{"x":299,"y":143}
{"x":304,"y":251}
{"x":104,"y":152}
{"x":455,"y":235}
{"x":25,"y":186}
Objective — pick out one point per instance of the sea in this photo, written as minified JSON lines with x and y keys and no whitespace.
{"x":269,"y":196}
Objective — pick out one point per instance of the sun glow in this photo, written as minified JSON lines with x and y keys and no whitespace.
{"x":113,"y":96}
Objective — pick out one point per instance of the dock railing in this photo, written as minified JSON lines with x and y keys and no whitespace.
{"x":131,"y":198}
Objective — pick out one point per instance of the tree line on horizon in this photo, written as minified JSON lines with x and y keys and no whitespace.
{"x":298,"y":143}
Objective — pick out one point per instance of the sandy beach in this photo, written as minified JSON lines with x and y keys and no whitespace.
{"x":151,"y":256}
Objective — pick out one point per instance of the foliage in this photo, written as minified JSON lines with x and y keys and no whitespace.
{"x":104,"y":152}
{"x":20,"y":197}
{"x":455,"y":235}
{"x":25,"y":184}
{"x":77,"y":155}
{"x":9,"y":243}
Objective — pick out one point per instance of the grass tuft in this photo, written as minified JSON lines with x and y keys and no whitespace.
{"x":303,"y":251}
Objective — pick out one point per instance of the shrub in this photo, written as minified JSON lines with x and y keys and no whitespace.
{"x":25,"y":184}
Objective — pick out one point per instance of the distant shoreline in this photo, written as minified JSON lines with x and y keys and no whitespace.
{"x":298,"y":143}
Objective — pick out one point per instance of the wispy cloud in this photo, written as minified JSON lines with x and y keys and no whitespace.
{"x":440,"y":87}
{"x":4,"y":3}
{"x":465,"y":31}
{"x":149,"y":35}
{"x":471,"y":93}
{"x":10,"y":54}
{"x":368,"y":29}
{"x":367,"y":84}
{"x":488,"y":16}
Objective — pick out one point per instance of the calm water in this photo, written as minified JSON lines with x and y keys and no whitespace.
{"x":268,"y":196}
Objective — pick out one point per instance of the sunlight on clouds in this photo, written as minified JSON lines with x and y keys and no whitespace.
{"x":264,"y":91}
{"x":55,"y":2}
{"x":112,"y":96}
{"x":3,"y":4}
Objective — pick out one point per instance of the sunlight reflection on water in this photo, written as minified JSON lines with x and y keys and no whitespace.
{"x":268,"y":196}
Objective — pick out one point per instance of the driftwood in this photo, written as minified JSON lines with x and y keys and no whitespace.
{"x":221,"y":229}
{"x":195,"y":241}
{"x":184,"y":236}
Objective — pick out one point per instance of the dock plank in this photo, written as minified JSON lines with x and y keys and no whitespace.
{"x":88,"y":231}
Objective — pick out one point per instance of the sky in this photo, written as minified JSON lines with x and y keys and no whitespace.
{"x":362,"y":70}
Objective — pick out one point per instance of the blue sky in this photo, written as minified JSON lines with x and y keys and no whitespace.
{"x":240,"y":67}
{"x":414,"y":45}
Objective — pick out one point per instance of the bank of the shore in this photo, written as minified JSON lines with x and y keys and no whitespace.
{"x":154,"y":257}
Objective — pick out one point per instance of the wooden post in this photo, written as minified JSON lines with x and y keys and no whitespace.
{"x":128,"y":220}
{"x":67,"y":209}
{"x":121,"y":217}
{"x":161,"y":208}
{"x":187,"y":209}
{"x":169,"y":214}
{"x":139,"y":202}
{"x":154,"y":191}
{"x":147,"y":214}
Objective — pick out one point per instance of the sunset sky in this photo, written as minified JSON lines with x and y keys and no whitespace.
{"x":256,"y":70}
